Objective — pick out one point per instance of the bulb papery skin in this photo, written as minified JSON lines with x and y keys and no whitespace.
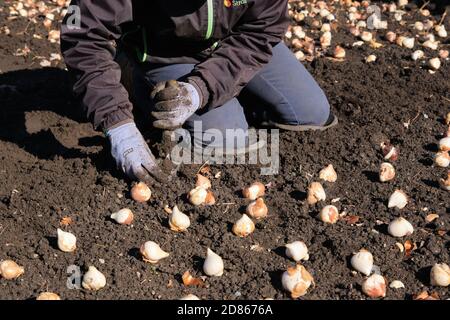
{"x":445,"y":183}
{"x":244,"y":226}
{"x":444,"y":144}
{"x":151,"y":252}
{"x":123,"y":216}
{"x":442,"y":159}
{"x":190,"y":297}
{"x":400,"y":227}
{"x":197,"y":196}
{"x":316,"y":193}
{"x":10,"y":270}
{"x":297,"y":281}
{"x":375,"y":286}
{"x":178,"y":221}
{"x":48,"y":296}
{"x":254,"y":191}
{"x":329,"y":214}
{"x":387,"y":172}
{"x":213,"y":265}
{"x":396,"y":284}
{"x":203,"y":182}
{"x":328,"y":174}
{"x":398,"y":199}
{"x":440,"y":275}
{"x":140,"y":192}
{"x":434,"y":63}
{"x":67,"y":242}
{"x":297,"y":251}
{"x":362,"y":261}
{"x":93,"y":279}
{"x":257,"y":209}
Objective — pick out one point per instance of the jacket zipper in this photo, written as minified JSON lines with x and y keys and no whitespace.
{"x":144,"y":39}
{"x":209,"y":31}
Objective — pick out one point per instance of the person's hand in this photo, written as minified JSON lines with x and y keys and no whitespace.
{"x":175,"y":102}
{"x":133,"y":155}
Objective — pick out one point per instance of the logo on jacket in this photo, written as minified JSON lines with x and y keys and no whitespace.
{"x":234,"y":3}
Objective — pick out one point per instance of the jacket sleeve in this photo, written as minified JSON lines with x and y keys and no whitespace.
{"x":243,"y":53}
{"x":89,"y":53}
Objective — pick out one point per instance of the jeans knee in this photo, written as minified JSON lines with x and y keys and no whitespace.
{"x":322,"y":109}
{"x":313,"y":110}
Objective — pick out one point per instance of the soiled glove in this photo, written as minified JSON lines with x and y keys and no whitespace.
{"x":132,"y":154}
{"x":175,"y":102}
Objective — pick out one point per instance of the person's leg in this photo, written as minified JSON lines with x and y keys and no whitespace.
{"x":287,"y":95}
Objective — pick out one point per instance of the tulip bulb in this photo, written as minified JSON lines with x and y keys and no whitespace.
{"x":399,"y":40}
{"x":178,"y":221}
{"x":339,"y":52}
{"x":297,"y":281}
{"x":203,"y":182}
{"x":93,"y":279}
{"x":387,"y":172}
{"x":316,"y":193}
{"x":213,"y":265}
{"x":445,"y":183}
{"x":325,"y":27}
{"x":297,"y":251}
{"x":418,"y":54}
{"x":362,"y":261}
{"x":434,"y":63}
{"x":244,"y":226}
{"x":366,"y":36}
{"x":200,"y":196}
{"x":10,"y":270}
{"x":398,"y":199}
{"x":325,"y":39}
{"x":328,"y":174}
{"x":371,"y":58}
{"x":430,"y":44}
{"x":447,"y":119}
{"x":418,"y":26}
{"x":443,"y":54}
{"x":396,"y":284}
{"x":151,"y":252}
{"x":441,"y":31}
{"x":190,"y":297}
{"x":254,"y":191}
{"x":408,"y":43}
{"x":257,"y":209}
{"x":389,"y":151}
{"x":141,"y":192}
{"x":123,"y":216}
{"x":329,"y":214}
{"x":440,"y":275}
{"x":298,"y":32}
{"x":48,"y":296}
{"x":299,"y":55}
{"x":391,"y":36}
{"x":400,"y":227}
{"x":375,"y":286}
{"x":444,"y":144}
{"x":442,"y":159}
{"x":355,"y":31}
{"x":67,"y":242}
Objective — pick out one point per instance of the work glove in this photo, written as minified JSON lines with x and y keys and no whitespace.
{"x":133,"y":155}
{"x":175,"y":102}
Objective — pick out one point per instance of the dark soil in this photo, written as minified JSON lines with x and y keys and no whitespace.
{"x":53,"y":164}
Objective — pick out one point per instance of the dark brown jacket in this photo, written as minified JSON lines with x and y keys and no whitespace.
{"x":229,"y":41}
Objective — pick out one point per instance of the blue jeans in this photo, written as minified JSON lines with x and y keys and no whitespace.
{"x":283,"y":92}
